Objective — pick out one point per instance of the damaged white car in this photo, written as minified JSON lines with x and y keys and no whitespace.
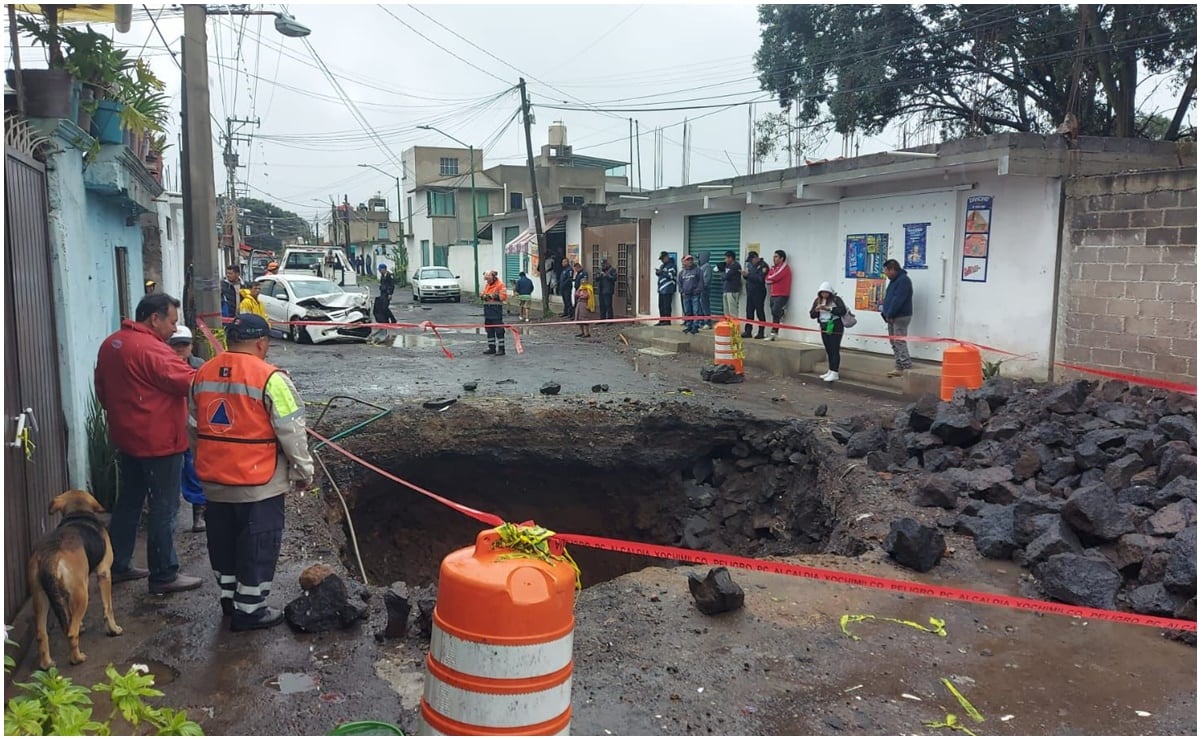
{"x":309,"y":298}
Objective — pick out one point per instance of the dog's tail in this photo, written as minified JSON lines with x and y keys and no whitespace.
{"x":55,"y":594}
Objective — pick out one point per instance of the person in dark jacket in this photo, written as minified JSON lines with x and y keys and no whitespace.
{"x":144,"y":386}
{"x":731,"y":284}
{"x":231,"y":288}
{"x":666,"y":273}
{"x":756,"y":292}
{"x":579,"y":276}
{"x":387,"y":283}
{"x":567,"y":289}
{"x":828,"y":308}
{"x":606,"y":285}
{"x":381,"y":311}
{"x":896,"y":311}
{"x":707,"y":270}
{"x":181,"y":343}
{"x":524,"y":288}
{"x":692,"y":287}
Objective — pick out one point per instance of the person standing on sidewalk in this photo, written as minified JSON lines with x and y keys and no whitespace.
{"x":143,"y":387}
{"x":251,"y":449}
{"x":231,"y":287}
{"x":606,"y":285}
{"x":828,"y":308}
{"x":692,"y":286}
{"x":525,"y":295}
{"x":666,"y":274}
{"x":493,"y":297}
{"x":193,"y":492}
{"x":779,"y":280}
{"x":896,"y":311}
{"x":387,"y":283}
{"x":756,"y":292}
{"x":250,"y":300}
{"x":567,"y":289}
{"x":731,"y":285}
{"x":702,"y":264}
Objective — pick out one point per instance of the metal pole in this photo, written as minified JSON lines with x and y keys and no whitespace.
{"x":542,"y":246}
{"x":400,"y":235}
{"x":201,"y":288}
{"x":475,"y":239}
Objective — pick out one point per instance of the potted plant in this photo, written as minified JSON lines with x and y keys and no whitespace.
{"x":145,"y":112}
{"x":100,"y":67}
{"x":47,"y":92}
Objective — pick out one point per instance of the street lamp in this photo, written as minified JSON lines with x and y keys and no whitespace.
{"x":475,"y":241}
{"x":201,"y":281}
{"x":399,"y":220}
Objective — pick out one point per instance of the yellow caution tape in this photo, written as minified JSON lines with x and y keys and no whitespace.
{"x":951,"y":723}
{"x":27,"y":443}
{"x":736,"y":341}
{"x":963,"y":702}
{"x":937,"y":626}
{"x":533,"y":542}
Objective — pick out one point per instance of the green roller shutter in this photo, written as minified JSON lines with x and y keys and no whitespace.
{"x":512,"y":261}
{"x":713,"y":234}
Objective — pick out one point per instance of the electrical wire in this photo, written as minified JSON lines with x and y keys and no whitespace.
{"x":440,"y":46}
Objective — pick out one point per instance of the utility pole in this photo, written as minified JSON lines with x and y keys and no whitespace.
{"x":231,"y":169}
{"x":201,"y":279}
{"x":529,"y":151}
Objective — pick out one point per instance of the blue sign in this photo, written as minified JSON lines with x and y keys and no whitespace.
{"x":915,"y":246}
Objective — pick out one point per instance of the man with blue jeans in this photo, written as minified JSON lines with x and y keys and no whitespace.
{"x":692,"y":287}
{"x":143,"y":386}
{"x":896,"y":312}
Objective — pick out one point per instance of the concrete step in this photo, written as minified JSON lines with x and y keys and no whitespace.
{"x":868,"y":369}
{"x":671,"y":344}
{"x":655,"y":352}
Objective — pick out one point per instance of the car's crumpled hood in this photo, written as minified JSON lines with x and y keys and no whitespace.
{"x":333,"y":301}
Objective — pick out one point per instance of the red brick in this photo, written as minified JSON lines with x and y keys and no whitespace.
{"x":1115,"y":220}
{"x":1164,"y":237}
{"x":1138,"y":360}
{"x":1180,"y":217}
{"x":1177,"y":292}
{"x":1126,"y":272}
{"x":1142,"y":290}
{"x":1160,"y":273}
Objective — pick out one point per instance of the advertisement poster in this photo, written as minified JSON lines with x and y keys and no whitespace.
{"x":976,"y":232}
{"x":915,"y":246}
{"x":869,"y":294}
{"x":573,"y":253}
{"x":865,"y":255}
{"x":975,"y":269}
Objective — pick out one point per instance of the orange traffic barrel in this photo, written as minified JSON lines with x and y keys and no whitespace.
{"x":723,"y":346}
{"x":961,"y":368}
{"x":500,"y":651}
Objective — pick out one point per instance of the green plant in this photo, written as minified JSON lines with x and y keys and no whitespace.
{"x":94,"y":60}
{"x":400,"y":258}
{"x":145,"y":110}
{"x":46,"y":32}
{"x":158,"y":144}
{"x":991,"y":369}
{"x":102,"y":455}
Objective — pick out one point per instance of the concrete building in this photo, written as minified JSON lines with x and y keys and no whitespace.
{"x":981,"y":225}
{"x":367,"y":230}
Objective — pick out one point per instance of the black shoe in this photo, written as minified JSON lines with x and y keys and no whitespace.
{"x":500,"y":352}
{"x":133,"y":574}
{"x":269,"y":617}
{"x":746,"y":335}
{"x":181,"y":583}
{"x":198,"y":524}
{"x":490,"y":351}
{"x":227,"y":607}
{"x":759,"y":335}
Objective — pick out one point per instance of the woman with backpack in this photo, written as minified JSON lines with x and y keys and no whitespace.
{"x":829,"y":310}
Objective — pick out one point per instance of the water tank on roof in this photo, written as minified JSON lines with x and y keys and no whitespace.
{"x":558,"y":134}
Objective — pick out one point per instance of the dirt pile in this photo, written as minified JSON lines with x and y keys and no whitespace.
{"x":1093,"y":487}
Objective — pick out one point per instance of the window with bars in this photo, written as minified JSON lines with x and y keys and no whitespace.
{"x":448,"y":166}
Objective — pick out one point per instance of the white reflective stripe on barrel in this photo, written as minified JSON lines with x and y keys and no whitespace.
{"x":426,"y":730}
{"x":500,"y":661}
{"x":497,"y":711}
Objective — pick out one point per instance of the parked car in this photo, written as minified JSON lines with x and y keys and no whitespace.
{"x":307,"y":298}
{"x":436,"y":284}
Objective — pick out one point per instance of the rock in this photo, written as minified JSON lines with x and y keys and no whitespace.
{"x":750,"y":463}
{"x":1003,"y":428}
{"x":1143,"y":444}
{"x":716,"y":593}
{"x":921,"y":416}
{"x":600,"y":388}
{"x":1027,"y":465}
{"x":1032,"y":515}
{"x":995,"y":391}
{"x":1113,"y":390}
{"x":1171,"y":519}
{"x":397,"y":604}
{"x":1002,"y":492}
{"x":1154,"y":567}
{"x":1155,"y":599}
{"x":315,"y":574}
{"x":914,"y":545}
{"x":942,"y":458}
{"x":702,"y":470}
{"x":1181,"y":487}
{"x":439,"y":404}
{"x":700,"y":497}
{"x":1174,"y":462}
{"x":797,"y":458}
{"x":1107,"y":438}
{"x":936,"y":491}
{"x":956,"y":426}
{"x":695,"y":531}
{"x":981,"y":410}
{"x":323,"y":608}
{"x":1121,"y":415}
{"x":1133,"y":549}
{"x":550,"y":389}
{"x":987,"y":452}
{"x":878,"y":461}
{"x":424,"y":623}
{"x":1088,"y":455}
{"x":821,"y":410}
{"x":1056,"y":540}
{"x":1069,"y":397}
{"x":1079,"y":580}
{"x":1178,"y":427}
{"x":869,"y":440}
{"x":994,"y":534}
{"x":1095,"y":511}
{"x":470,"y":386}
{"x":1119,"y":473}
{"x":1057,"y":469}
{"x":1180,"y":575}
{"x":1147,"y":477}
{"x":840,"y":433}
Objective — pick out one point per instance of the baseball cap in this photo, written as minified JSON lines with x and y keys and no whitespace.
{"x":182,"y":335}
{"x":246,"y":327}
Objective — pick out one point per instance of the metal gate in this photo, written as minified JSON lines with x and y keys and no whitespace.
{"x":32,"y":396}
{"x":713,"y":235}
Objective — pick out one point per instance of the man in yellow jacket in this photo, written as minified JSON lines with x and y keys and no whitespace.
{"x":250,"y":301}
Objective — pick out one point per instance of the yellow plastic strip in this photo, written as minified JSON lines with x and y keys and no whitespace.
{"x":937,"y":626}
{"x":963,"y":702}
{"x":533,"y":541}
{"x":950,"y":723}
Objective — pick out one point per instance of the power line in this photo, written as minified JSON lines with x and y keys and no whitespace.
{"x":440,"y":46}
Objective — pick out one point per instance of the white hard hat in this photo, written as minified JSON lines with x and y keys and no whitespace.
{"x":182,"y":335}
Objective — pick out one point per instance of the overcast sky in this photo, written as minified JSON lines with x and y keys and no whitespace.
{"x":585,"y":56}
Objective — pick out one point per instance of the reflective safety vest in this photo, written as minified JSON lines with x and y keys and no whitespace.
{"x":236,"y":444}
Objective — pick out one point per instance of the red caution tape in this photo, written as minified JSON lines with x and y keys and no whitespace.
{"x":801,"y":571}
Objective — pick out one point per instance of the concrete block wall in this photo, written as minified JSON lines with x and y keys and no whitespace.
{"x":1128,"y":277}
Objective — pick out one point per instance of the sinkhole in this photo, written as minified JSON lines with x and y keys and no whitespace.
{"x":671,"y":475}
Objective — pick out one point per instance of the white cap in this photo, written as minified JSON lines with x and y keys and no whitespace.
{"x":182,"y":334}
{"x":826,"y":287}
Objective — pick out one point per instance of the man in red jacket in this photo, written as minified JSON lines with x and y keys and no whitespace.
{"x":779,"y":281}
{"x":143,"y":386}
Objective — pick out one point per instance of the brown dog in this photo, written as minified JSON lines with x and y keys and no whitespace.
{"x":59,"y":568}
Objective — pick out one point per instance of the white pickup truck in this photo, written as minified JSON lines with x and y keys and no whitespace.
{"x":330,"y":263}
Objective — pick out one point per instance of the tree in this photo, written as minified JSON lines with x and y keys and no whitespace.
{"x":976,"y":69}
{"x":266,"y":226}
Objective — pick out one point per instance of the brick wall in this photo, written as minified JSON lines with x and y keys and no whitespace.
{"x":1128,"y":280}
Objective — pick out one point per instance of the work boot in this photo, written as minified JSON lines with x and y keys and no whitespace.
{"x":490,"y":351}
{"x":759,"y":335}
{"x":132,"y":574}
{"x":500,"y":351}
{"x":198,"y":524}
{"x":181,"y":583}
{"x":269,"y":617}
{"x":746,"y":333}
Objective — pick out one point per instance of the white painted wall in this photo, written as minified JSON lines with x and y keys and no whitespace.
{"x":170,"y":205}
